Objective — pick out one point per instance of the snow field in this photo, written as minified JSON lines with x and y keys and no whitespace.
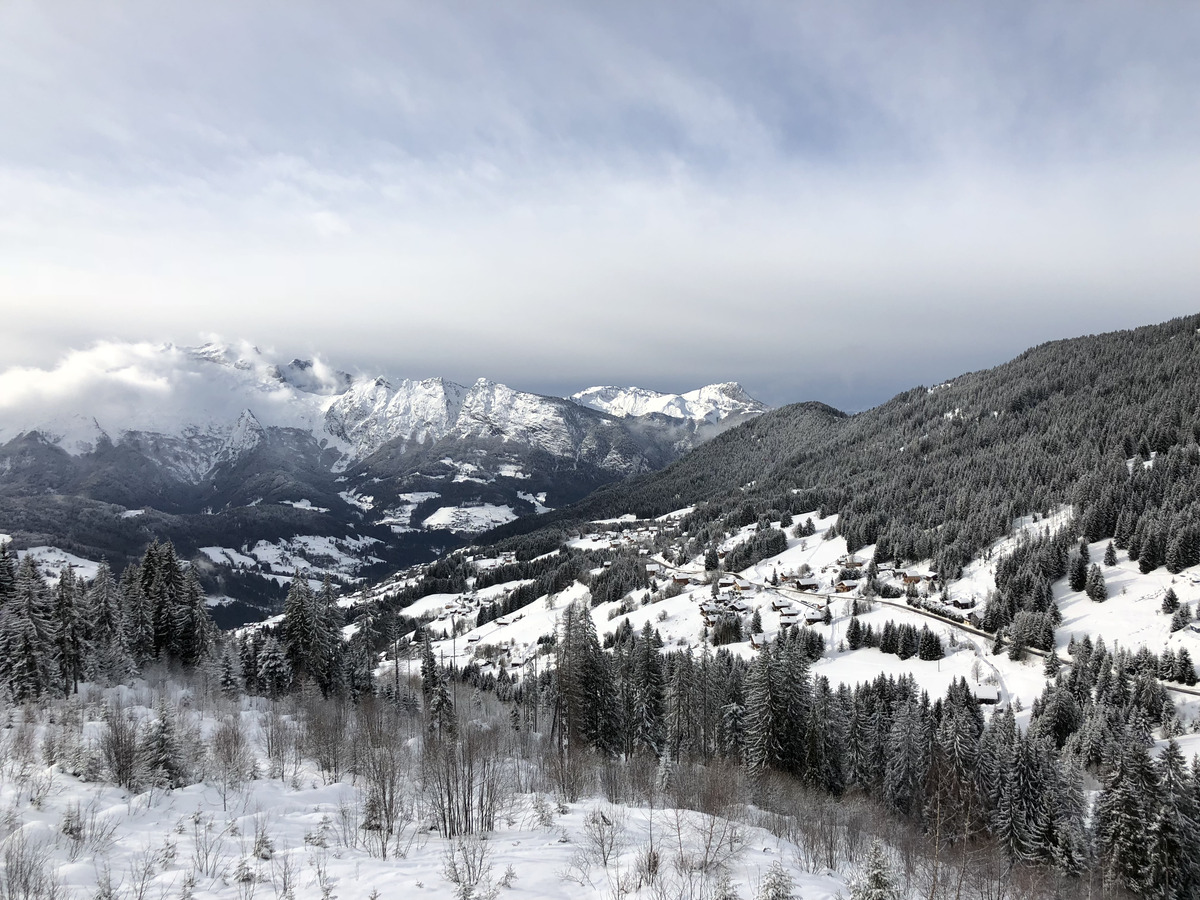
{"x":295,"y":830}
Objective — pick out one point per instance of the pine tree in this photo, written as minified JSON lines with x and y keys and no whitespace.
{"x":138,"y":616}
{"x":29,"y":662}
{"x":1095,"y":586}
{"x":231,"y":683}
{"x":192,"y":631}
{"x":585,"y":693}
{"x":70,"y":629}
{"x":877,"y":881}
{"x":1170,"y":602}
{"x":8,"y":572}
{"x":1174,"y":832}
{"x":441,"y":723}
{"x":1077,"y":570}
{"x":1184,"y":671}
{"x":854,"y":633}
{"x":328,"y":639}
{"x":1110,"y":555}
{"x":1016,"y":820}
{"x":648,"y":695}
{"x":274,"y":670}
{"x":162,"y":749}
{"x":162,"y":581}
{"x":906,"y":761}
{"x":1052,"y":665}
{"x":761,"y":745}
{"x":1124,"y":811}
{"x":680,"y":708}
{"x":109,"y":660}
{"x":777,"y":884}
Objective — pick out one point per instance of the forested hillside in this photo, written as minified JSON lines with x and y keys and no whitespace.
{"x":937,"y":473}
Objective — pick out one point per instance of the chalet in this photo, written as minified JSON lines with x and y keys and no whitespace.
{"x":807,"y":584}
{"x":681,"y":579}
{"x":814,"y":616}
{"x":911,"y":577}
{"x":758,"y":641}
{"x":473,"y":639}
{"x":791,"y":617}
{"x":987,"y":694}
{"x":1194,"y":626}
{"x":740,"y":606}
{"x":652,"y":568}
{"x":503,"y":620}
{"x":845,"y":586}
{"x":780,"y":603}
{"x":963,"y":602}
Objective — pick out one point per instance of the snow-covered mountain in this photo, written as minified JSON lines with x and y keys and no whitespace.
{"x":200,"y":397}
{"x":226,"y":439}
{"x":712,"y":403}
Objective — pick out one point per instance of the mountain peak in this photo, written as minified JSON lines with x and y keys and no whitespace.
{"x":711,"y":403}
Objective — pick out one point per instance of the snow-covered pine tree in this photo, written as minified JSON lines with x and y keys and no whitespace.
{"x":162,"y":749}
{"x":1123,"y":813}
{"x":1077,"y":572}
{"x":138,"y":616}
{"x":108,"y":657}
{"x":192,"y":631}
{"x":28,"y":651}
{"x":230,"y":679}
{"x":907,"y":760}
{"x":1174,"y":832}
{"x":777,"y":884}
{"x":70,"y":629}
{"x":680,"y":708}
{"x":8,"y":572}
{"x":761,"y":738}
{"x":274,"y":670}
{"x":1170,"y":601}
{"x":876,"y":881}
{"x":649,"y":691}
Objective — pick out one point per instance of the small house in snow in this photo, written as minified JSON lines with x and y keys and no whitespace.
{"x":987,"y":694}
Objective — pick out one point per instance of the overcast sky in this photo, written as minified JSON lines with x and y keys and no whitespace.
{"x":829,"y":201}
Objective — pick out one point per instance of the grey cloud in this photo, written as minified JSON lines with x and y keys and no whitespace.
{"x":820,"y":200}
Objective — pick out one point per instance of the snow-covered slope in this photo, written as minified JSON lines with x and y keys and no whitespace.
{"x":711,"y":403}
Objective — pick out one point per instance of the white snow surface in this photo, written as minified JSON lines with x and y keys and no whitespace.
{"x":470,"y":519}
{"x":201,"y":841}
